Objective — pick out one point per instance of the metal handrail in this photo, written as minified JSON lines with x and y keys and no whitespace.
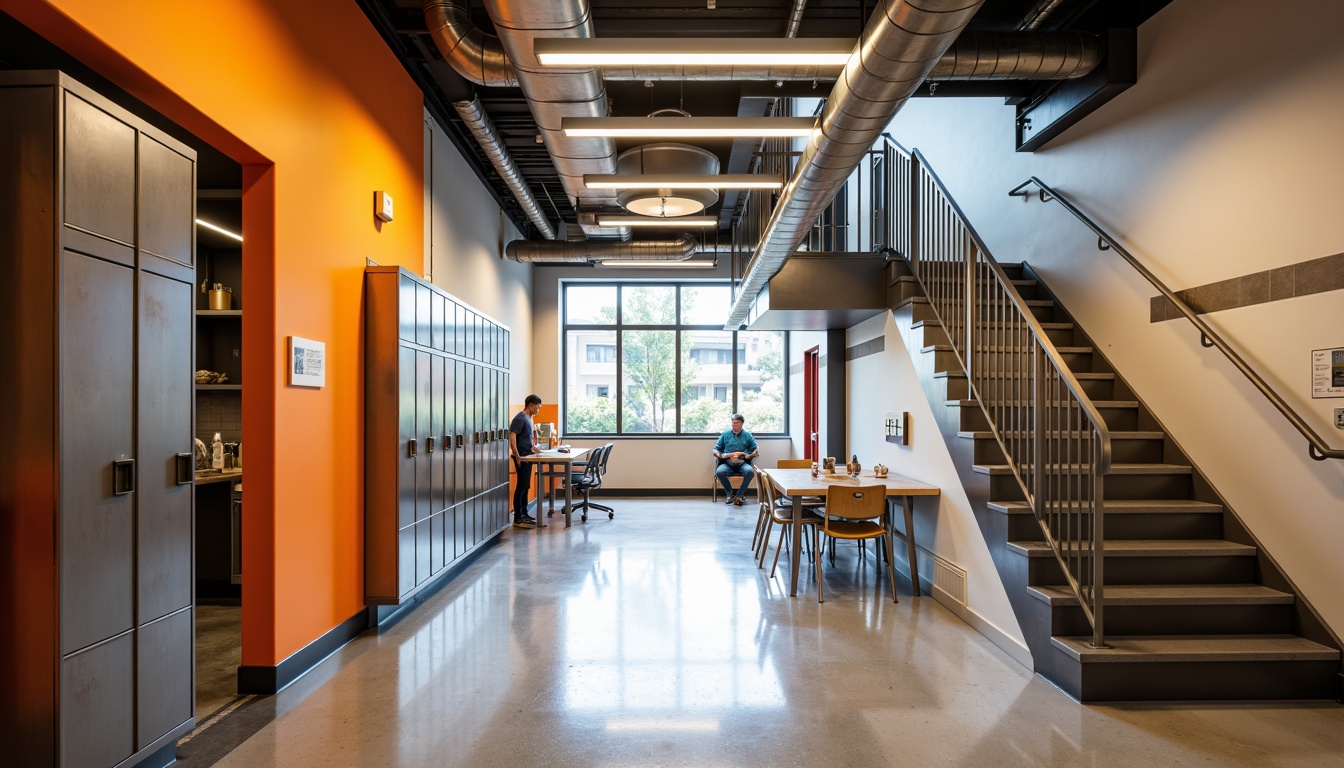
{"x":1057,"y":445}
{"x":1317,"y":448}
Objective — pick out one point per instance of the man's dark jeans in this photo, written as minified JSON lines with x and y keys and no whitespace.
{"x":744,"y":471}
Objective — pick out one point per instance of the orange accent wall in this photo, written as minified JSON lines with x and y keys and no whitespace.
{"x":309,"y":98}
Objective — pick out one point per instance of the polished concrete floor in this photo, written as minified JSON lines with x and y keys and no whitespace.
{"x":653,"y":640}
{"x":219,"y":651}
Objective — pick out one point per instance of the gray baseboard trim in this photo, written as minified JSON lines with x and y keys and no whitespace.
{"x":269,"y":680}
{"x":641,"y":493}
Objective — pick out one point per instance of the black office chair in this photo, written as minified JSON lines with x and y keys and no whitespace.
{"x":590,"y":480}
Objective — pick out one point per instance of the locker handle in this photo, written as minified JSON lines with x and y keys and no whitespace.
{"x":123,"y":476}
{"x":447,"y":442}
{"x":476,"y":438}
{"x":429,"y":443}
{"x":460,"y":440}
{"x":185,"y":468}
{"x":410,"y":448}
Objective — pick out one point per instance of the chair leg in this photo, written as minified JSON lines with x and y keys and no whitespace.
{"x":783,"y":529}
{"x":817,"y":560}
{"x":760,"y":523}
{"x":765,"y":542}
{"x":891,"y":568}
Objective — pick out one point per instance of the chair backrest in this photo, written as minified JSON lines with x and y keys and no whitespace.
{"x":793,"y":464}
{"x":862,"y":502}
{"x":606,"y":456}
{"x":592,"y":471}
{"x":765,"y":490}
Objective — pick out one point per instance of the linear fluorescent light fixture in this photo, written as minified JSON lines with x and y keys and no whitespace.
{"x":687,"y":264}
{"x":685,"y":52}
{"x":688,"y":127}
{"x":681,"y":181}
{"x":616,"y":220}
{"x":219,"y":229}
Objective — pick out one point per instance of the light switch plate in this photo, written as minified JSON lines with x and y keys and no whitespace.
{"x":382,"y":205}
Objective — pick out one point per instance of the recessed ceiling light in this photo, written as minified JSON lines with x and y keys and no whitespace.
{"x":681,"y":181}
{"x":688,"y":127}
{"x":702,"y":52}
{"x":687,"y":264}
{"x":219,"y":229}
{"x":616,"y":220}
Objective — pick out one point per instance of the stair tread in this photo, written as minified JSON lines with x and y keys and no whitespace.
{"x":1116,"y":469}
{"x":1124,"y":506}
{"x":1079,"y":375}
{"x":1171,"y":594}
{"x":1133,"y":434}
{"x":1147,"y":548}
{"x":1207,"y":648}
{"x":1064,"y":350}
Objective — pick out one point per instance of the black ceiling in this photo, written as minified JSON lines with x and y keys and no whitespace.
{"x":402,"y":24}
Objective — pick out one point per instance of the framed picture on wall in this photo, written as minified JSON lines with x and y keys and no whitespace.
{"x":307,"y":362}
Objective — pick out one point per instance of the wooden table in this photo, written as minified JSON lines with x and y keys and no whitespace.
{"x":553,"y":458}
{"x":797,"y":483}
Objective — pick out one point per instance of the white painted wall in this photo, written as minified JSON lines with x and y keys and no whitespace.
{"x":945,"y":526}
{"x":465,"y":233}
{"x":1223,"y":160}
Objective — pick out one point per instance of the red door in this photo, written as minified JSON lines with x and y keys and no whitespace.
{"x":811,"y":423}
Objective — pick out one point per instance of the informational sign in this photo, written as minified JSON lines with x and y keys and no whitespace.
{"x":307,"y":362}
{"x":1327,"y":372}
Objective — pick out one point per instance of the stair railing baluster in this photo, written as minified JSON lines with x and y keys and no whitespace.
{"x":1057,"y":445}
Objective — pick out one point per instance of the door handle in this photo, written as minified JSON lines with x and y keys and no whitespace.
{"x":447,"y":442}
{"x":429,"y":443}
{"x":460,"y":440}
{"x":123,"y":476}
{"x":410,"y":448}
{"x":185,"y":468}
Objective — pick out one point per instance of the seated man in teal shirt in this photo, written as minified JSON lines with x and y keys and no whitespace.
{"x":735,"y":450}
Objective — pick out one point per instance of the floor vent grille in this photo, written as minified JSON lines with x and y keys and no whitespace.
{"x":950,"y":579}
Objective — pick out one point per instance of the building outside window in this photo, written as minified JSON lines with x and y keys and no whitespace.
{"x":646,"y":358}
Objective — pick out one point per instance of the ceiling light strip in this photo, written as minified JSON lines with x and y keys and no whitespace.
{"x":681,"y":181}
{"x":651,"y":221}
{"x":220,"y":230}
{"x":703,"y":52}
{"x":688,"y":264}
{"x":688,"y":127}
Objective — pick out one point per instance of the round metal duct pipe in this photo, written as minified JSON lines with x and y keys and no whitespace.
{"x":483,"y":129}
{"x":475,"y":55}
{"x":584,"y":251}
{"x":665,"y":158}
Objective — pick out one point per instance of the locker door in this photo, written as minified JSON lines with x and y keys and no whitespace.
{"x":406,"y":437}
{"x":451,"y":452}
{"x":167,"y":187}
{"x":97,"y":359}
{"x":99,"y":171}
{"x":461,"y":330}
{"x":437,"y":458}
{"x":163,"y":672}
{"x":437,"y":321}
{"x":164,"y":503}
{"x":473,"y":433}
{"x":97,"y":712}
{"x":424,"y":330}
{"x":462,"y":446}
{"x":406,"y":309}
{"x":450,"y":327}
{"x":423,"y":431}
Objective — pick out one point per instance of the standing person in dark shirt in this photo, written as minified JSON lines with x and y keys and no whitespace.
{"x":522,"y":443}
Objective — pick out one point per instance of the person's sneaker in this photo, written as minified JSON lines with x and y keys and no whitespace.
{"x":737,"y":501}
{"x":729,"y":502}
{"x":524,"y":522}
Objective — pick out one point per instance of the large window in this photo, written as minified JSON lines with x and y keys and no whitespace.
{"x":653,"y":358}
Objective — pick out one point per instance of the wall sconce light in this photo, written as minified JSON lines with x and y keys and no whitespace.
{"x":896,"y":427}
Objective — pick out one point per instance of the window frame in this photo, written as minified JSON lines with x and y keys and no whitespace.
{"x":677,"y":329}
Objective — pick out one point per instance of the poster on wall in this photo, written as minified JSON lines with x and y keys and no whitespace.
{"x":1327,"y":372}
{"x":307,"y":362}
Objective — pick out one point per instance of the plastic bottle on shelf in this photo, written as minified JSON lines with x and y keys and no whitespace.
{"x":217,"y":452}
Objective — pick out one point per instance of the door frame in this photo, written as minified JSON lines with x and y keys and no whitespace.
{"x":811,"y":410}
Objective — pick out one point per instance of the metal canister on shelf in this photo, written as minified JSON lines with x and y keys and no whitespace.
{"x":221,"y":297}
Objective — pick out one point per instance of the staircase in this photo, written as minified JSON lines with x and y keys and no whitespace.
{"x":1194,"y":610}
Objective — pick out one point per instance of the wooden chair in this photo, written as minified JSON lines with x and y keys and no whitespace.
{"x":857,"y":513}
{"x":773,"y":514}
{"x":734,"y":480}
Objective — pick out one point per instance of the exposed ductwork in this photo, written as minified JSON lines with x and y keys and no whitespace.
{"x":475,"y":55}
{"x":900,"y":45}
{"x":480,"y":125}
{"x":584,"y":251}
{"x":552,"y":94}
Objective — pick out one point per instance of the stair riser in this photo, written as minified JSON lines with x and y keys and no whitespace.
{"x":1069,"y":621}
{"x":1119,"y":487}
{"x":1044,"y":571}
{"x":1078,"y":362}
{"x":1122,"y":526}
{"x":932,"y":333}
{"x":987,"y":451}
{"x":958,"y":388}
{"x":945,"y":360}
{"x":1210,"y":681}
{"x":1096,"y":389}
